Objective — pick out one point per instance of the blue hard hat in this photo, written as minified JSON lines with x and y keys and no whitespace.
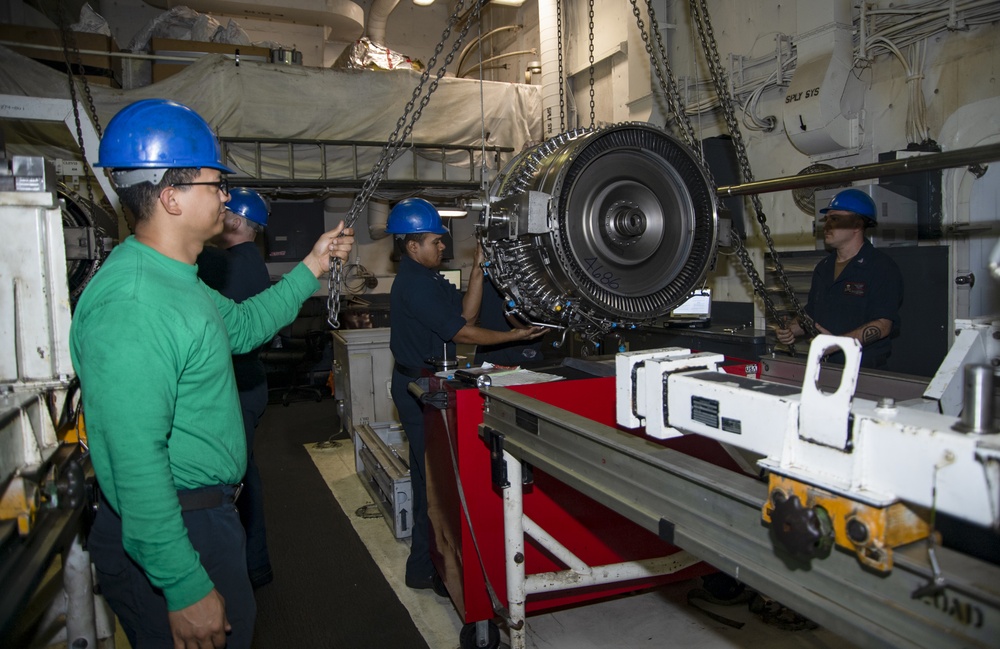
{"x":248,"y":204}
{"x":159,"y":134}
{"x":413,"y":215}
{"x":853,"y":200}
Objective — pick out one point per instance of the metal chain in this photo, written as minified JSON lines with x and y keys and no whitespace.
{"x":706,"y":35}
{"x":394,"y":144}
{"x":562,"y":79}
{"x":675,"y":103}
{"x":667,"y":81}
{"x":591,"y":63}
{"x":758,"y":284}
{"x":69,"y":45}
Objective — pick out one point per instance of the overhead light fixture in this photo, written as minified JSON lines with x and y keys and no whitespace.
{"x":452,"y":212}
{"x":423,"y":3}
{"x":508,"y":3}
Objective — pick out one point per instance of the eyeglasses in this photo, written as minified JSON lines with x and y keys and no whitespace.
{"x":221,"y":185}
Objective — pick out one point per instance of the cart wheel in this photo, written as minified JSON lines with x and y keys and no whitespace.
{"x":467,"y":638}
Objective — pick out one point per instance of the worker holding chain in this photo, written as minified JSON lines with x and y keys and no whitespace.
{"x":153,"y":346}
{"x":857,"y":289}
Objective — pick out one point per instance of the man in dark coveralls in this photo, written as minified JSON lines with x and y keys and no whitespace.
{"x":428,"y":314}
{"x":235,"y":268}
{"x":857,"y":290}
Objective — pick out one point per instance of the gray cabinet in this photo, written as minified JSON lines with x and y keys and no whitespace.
{"x":362,"y":372}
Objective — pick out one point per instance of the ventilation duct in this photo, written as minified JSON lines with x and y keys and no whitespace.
{"x":378,"y":16}
{"x":824,"y":98}
{"x":548,"y":34}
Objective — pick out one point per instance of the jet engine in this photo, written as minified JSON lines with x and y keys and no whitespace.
{"x":599,"y":229}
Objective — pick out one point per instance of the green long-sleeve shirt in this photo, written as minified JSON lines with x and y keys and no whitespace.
{"x":153,"y":346}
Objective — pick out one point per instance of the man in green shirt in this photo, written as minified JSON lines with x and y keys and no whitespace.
{"x":152,"y":346}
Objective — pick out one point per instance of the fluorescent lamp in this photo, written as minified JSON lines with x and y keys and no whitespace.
{"x":508,"y":3}
{"x":452,"y":212}
{"x":423,"y":3}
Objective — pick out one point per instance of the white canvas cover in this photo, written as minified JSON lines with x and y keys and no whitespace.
{"x":265,"y":100}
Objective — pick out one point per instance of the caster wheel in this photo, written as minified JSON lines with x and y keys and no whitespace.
{"x":467,"y":638}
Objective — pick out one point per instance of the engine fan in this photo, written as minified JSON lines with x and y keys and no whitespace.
{"x":599,"y":229}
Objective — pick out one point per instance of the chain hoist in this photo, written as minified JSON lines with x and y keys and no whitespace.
{"x":591,"y":34}
{"x":562,"y":85}
{"x":394,"y":145}
{"x":70,"y":47}
{"x":706,"y":36}
{"x":675,"y":103}
{"x":668,"y":82}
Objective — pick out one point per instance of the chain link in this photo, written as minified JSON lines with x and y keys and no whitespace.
{"x":666,"y":79}
{"x":395,"y":143}
{"x":562,"y":85}
{"x":591,"y":34}
{"x":70,"y":46}
{"x":706,"y":35}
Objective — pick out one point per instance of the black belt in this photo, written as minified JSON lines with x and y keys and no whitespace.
{"x":413,"y":373}
{"x":208,"y":497}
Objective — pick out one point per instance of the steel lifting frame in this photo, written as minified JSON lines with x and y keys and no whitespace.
{"x":579,"y":575}
{"x":715,"y":514}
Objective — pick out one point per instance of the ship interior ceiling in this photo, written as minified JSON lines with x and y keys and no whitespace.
{"x":648,"y":183}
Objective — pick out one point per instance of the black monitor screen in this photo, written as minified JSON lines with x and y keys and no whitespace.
{"x":292,"y":229}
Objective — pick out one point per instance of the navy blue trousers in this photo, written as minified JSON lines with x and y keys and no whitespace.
{"x":418,"y":565}
{"x":216,"y":534}
{"x":253,"y":402}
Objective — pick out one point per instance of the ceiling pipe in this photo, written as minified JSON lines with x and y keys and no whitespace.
{"x":378,"y":219}
{"x":496,"y":58}
{"x":477,"y":42}
{"x":378,"y":16}
{"x":548,"y":33}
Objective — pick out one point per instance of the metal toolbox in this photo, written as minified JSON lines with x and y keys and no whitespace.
{"x":380,"y":455}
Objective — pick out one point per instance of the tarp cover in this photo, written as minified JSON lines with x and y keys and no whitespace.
{"x":265,"y":100}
